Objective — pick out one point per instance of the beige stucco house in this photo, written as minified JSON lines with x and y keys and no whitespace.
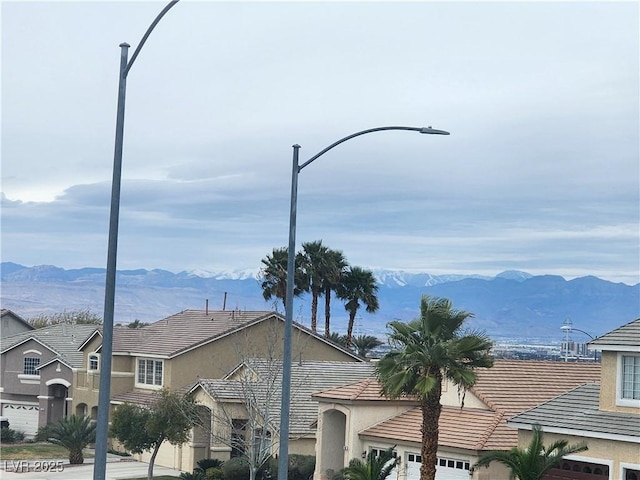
{"x":250,"y":396}
{"x":180,"y":350}
{"x":355,"y":419}
{"x":193,"y":344}
{"x":604,"y":414}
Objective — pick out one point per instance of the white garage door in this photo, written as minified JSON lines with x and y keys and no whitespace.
{"x":446,"y":469}
{"x":23,"y":417}
{"x":452,"y":469}
{"x":413,"y":466}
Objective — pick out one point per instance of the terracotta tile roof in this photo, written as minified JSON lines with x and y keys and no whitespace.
{"x":508,"y":388}
{"x":182,"y":331}
{"x":513,"y":386}
{"x":138,"y":397}
{"x":189,"y":329}
{"x":364,"y":390}
{"x":627,"y":335}
{"x":479,"y":427}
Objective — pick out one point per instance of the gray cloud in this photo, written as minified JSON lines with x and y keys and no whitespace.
{"x":540,"y":173}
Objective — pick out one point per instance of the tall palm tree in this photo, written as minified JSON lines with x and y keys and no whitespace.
{"x":334,"y":269}
{"x":358,"y":288}
{"x":73,"y":433}
{"x":365,"y":343}
{"x":313,"y":260}
{"x":427,"y":351}
{"x":533,"y":462}
{"x":274,"y":275}
{"x":377,"y":467}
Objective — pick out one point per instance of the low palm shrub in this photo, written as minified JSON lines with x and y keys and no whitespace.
{"x":73,"y":433}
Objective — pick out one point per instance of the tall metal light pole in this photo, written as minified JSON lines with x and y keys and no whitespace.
{"x":283,"y":458}
{"x":102,"y":428}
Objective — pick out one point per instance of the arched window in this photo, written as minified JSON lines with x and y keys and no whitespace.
{"x":94,"y":362}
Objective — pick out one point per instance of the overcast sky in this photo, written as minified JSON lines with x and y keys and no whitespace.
{"x":540,"y":172}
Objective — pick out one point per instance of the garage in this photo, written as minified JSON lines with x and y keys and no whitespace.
{"x":446,"y":469}
{"x":22,"y":417}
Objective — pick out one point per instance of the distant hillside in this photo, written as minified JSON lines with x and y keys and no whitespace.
{"x":512,"y":304}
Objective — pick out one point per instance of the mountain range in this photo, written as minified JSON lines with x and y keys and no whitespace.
{"x":511,"y":305}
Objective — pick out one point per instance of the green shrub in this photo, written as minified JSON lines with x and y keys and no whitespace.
{"x":7,"y":435}
{"x":235,"y":469}
{"x":196,"y":475}
{"x":301,"y":467}
{"x":207,"y":463}
{"x":214,"y":473}
{"x":43,"y":434}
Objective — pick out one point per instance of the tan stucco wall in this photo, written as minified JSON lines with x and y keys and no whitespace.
{"x":604,"y":451}
{"x":609,"y":384}
{"x":451,"y":397}
{"x":216,"y":359}
{"x":357,"y":417}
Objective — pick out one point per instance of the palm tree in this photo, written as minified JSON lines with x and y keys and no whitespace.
{"x":428,"y":350}
{"x":73,"y":433}
{"x":334,"y":269}
{"x":377,"y":467}
{"x":313,"y":260}
{"x":339,"y":339}
{"x":358,"y":285}
{"x":365,"y":343}
{"x":274,"y":275}
{"x":533,"y":462}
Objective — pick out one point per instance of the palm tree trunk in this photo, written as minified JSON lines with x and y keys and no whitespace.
{"x":314,"y":311}
{"x":352,"y":320}
{"x":431,"y":409}
{"x":76,"y":457}
{"x":327,"y":312}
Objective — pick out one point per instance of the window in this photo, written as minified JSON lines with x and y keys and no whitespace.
{"x":150,"y":372}
{"x":30,"y":364}
{"x":454,"y":463}
{"x":630,"y":377}
{"x":94,"y":362}
{"x":238,"y":440}
{"x":378,"y":451}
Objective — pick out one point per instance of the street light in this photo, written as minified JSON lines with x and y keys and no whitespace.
{"x":102,"y":427}
{"x":283,"y":458}
{"x":567,"y":327}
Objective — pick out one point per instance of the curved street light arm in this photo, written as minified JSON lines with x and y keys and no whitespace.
{"x":427,"y":130}
{"x":283,"y":458}
{"x":146,"y":35}
{"x":582,"y":331}
{"x":104,"y":397}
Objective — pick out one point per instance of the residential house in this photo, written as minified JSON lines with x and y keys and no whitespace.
{"x":355,"y":419}
{"x":191,"y":345}
{"x":603,"y":414}
{"x":11,"y":323}
{"x":37,"y":368}
{"x":258,"y":382}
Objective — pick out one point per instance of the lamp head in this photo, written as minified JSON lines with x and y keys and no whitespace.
{"x":433,"y":131}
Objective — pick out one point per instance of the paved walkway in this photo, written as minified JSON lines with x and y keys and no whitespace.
{"x":118,"y":468}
